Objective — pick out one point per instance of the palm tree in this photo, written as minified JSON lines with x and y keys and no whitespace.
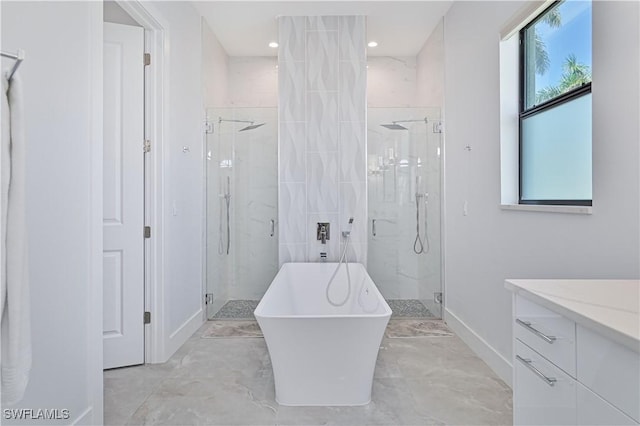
{"x":554,"y":20}
{"x":575,"y":74}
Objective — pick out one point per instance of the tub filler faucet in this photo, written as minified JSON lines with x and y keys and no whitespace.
{"x":322,"y":232}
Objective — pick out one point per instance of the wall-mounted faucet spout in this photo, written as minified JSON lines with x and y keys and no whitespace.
{"x":322,"y":233}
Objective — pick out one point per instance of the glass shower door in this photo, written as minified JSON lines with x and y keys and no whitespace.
{"x":404,"y":201}
{"x":242,"y":200}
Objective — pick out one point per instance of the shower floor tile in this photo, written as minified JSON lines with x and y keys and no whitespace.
{"x":409,"y":308}
{"x":237,"y":310}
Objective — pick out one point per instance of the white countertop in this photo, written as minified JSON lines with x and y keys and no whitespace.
{"x":609,"y":307}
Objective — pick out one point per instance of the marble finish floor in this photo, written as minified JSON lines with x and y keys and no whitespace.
{"x":229,"y":381}
{"x":231,"y":328}
{"x":403,"y":328}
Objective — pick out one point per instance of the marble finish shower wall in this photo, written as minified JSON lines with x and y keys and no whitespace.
{"x":392,"y":81}
{"x":253,"y":81}
{"x":322,"y":146}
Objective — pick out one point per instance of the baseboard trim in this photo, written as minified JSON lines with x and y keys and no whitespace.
{"x":499,"y":364}
{"x":182,"y":334}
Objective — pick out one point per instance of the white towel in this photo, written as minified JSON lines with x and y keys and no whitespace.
{"x":16,"y":326}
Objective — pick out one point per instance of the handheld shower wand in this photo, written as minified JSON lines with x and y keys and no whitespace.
{"x":226,"y":196}
{"x":347,"y":233}
{"x":343,"y":258}
{"x":419,"y":242}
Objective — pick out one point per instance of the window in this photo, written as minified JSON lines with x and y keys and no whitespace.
{"x":555,"y":106}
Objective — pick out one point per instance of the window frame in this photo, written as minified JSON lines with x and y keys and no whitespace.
{"x":524,"y":113}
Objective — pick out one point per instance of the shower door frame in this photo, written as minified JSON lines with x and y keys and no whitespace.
{"x":212,"y":120}
{"x":433,"y":126}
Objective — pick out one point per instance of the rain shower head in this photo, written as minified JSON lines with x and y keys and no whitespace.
{"x":251,"y":127}
{"x":394,"y":126}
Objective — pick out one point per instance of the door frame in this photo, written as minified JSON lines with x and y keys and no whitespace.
{"x":156,"y":90}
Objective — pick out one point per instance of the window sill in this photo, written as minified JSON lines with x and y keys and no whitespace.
{"x":548,"y":208}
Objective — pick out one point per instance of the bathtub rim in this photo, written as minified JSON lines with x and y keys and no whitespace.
{"x":387,"y":309}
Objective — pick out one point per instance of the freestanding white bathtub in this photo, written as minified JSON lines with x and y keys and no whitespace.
{"x":321,"y":354}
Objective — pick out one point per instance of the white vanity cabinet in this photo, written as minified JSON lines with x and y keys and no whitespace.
{"x":545,"y":394}
{"x":576,"y":352}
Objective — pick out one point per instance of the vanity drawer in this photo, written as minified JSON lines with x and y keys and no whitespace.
{"x":610,"y":370}
{"x":593,"y":410}
{"x":543,"y":394}
{"x":550,"y":334}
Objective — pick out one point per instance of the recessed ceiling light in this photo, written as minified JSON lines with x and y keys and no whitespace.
{"x":273,"y":44}
{"x":372,"y":44}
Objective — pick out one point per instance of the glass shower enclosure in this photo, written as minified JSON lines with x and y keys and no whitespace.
{"x":404,"y":169}
{"x":241,"y":208}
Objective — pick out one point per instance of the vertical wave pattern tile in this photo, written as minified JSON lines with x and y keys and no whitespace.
{"x":292,"y":213}
{"x":322,"y":121}
{"x":292,"y":152}
{"x":322,"y":60}
{"x":322,"y":182}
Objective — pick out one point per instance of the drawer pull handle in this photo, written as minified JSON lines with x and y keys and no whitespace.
{"x":528,"y":363}
{"x":528,"y":326}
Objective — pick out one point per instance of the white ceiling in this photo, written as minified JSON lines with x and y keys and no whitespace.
{"x":244,"y":28}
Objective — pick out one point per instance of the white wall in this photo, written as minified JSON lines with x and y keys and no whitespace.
{"x":182,"y":178}
{"x":61,"y":76}
{"x":490,"y":244}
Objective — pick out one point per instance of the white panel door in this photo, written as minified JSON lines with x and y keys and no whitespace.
{"x":123,"y":218}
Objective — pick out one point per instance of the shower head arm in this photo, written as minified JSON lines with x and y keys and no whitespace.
{"x":220,"y":120}
{"x":411,"y":121}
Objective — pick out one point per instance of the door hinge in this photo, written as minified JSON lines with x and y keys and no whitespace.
{"x":208,"y":127}
{"x":437,"y":127}
{"x":147,"y":59}
{"x":147,"y":317}
{"x":147,"y":232}
{"x":147,"y":146}
{"x":208,"y":298}
{"x":438,"y":297}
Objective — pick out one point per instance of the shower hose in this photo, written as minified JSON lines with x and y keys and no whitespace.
{"x":220,"y":243}
{"x":343,"y":258}
{"x":227,"y":200}
{"x":418,"y":244}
